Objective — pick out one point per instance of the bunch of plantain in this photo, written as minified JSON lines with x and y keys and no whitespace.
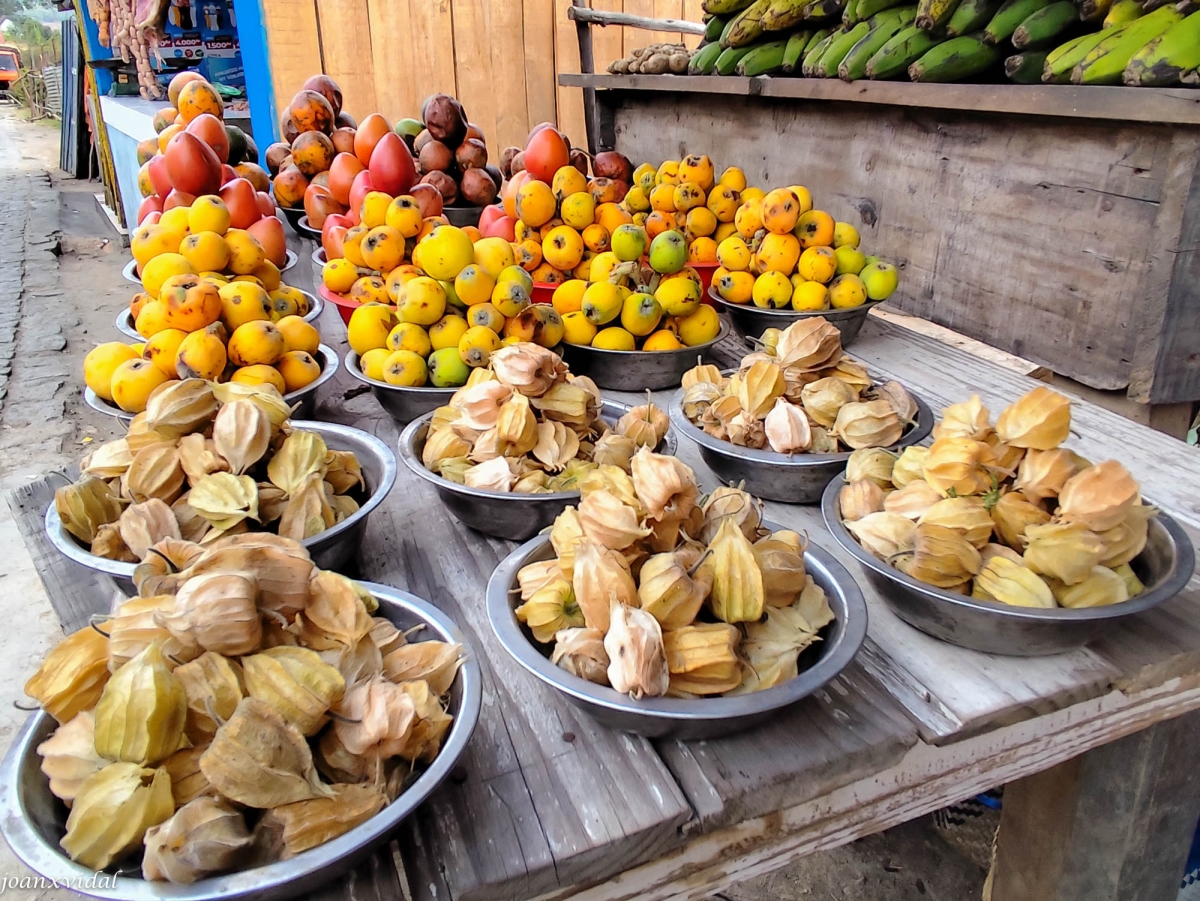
{"x":1001,"y":511}
{"x":654,"y":590}
{"x":261,"y":710}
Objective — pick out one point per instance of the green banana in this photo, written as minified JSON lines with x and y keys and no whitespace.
{"x":1010,"y":15}
{"x":971,"y":16}
{"x":1123,"y":11}
{"x":763,"y":59}
{"x":813,"y":54}
{"x":728,"y":60}
{"x":747,"y":27}
{"x":1106,"y":62}
{"x":854,"y":65}
{"x":712,"y":31}
{"x":705,"y":60}
{"x":902,"y":49}
{"x":1167,"y":57}
{"x":1061,"y":60}
{"x":783,"y":14}
{"x":838,"y":48}
{"x":824,"y":9}
{"x":1025,"y":68}
{"x":724,"y":7}
{"x":795,"y":50}
{"x":1040,"y":30}
{"x":850,"y":13}
{"x":816,"y":38}
{"x":1095,"y":10}
{"x":868,"y":8}
{"x":933,"y":14}
{"x":955,"y":60}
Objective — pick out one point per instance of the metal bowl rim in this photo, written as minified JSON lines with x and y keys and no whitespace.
{"x":619,"y":355}
{"x":65,"y":543}
{"x":839,"y":654}
{"x":130,"y":269}
{"x":302,"y":225}
{"x":17,"y":827}
{"x":1172,"y":584}
{"x":861,"y":310}
{"x":355,"y":370}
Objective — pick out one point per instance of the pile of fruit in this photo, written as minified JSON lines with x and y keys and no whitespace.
{"x":245,"y":707}
{"x":655,"y":59}
{"x":1002,"y":512}
{"x":474,"y":300}
{"x":207,"y":156}
{"x":799,"y":394}
{"x":787,"y":255}
{"x":202,"y":462}
{"x":524,"y":424}
{"x":654,"y":591}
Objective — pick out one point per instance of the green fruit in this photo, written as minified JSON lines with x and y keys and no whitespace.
{"x":728,"y":60}
{"x":1162,"y":61}
{"x":237,"y":146}
{"x":408,"y":128}
{"x":955,"y":60}
{"x":712,"y":31}
{"x":880,"y":279}
{"x":1025,"y":68}
{"x":447,"y":369}
{"x":1043,"y":27}
{"x":1106,"y":62}
{"x":854,"y":65}
{"x":904,"y":48}
{"x":971,"y":16}
{"x":628,"y":242}
{"x":668,"y":252}
{"x":763,"y":59}
{"x":1061,"y":60}
{"x":837,"y":50}
{"x":794,"y":51}
{"x":1009,"y":17}
{"x":747,"y":27}
{"x":704,"y":60}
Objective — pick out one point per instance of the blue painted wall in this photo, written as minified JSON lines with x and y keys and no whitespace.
{"x":259,"y":90}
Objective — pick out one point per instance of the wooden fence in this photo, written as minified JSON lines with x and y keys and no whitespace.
{"x":501,"y":58}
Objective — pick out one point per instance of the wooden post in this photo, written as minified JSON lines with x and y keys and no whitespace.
{"x":587,"y":63}
{"x":1114,"y":824}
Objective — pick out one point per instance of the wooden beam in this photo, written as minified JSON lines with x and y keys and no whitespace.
{"x":596,"y":17}
{"x":962,"y":342}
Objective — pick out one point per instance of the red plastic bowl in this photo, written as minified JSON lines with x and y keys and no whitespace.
{"x":706,"y":272}
{"x":543,"y":292}
{"x":345,"y":306}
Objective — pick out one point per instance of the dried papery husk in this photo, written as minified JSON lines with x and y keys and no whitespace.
{"x":1100,"y":497}
{"x":434,"y":662}
{"x":581,"y":653}
{"x":725,"y":410}
{"x":146,"y":524}
{"x":956,"y":466}
{"x":570,"y":477}
{"x":738,"y":594}
{"x":343,"y":471}
{"x":139,"y":435}
{"x":477,"y":377}
{"x":432,"y":721}
{"x":809,"y":344}
{"x":1040,"y":420}
{"x":180,"y":408}
{"x":272,"y":502}
{"x":783,"y":571}
{"x":665,"y":485}
{"x":69,"y":756}
{"x":213,"y":686}
{"x":297,"y":683}
{"x":527,"y":368}
{"x":909,"y":466}
{"x":141,"y":712}
{"x":199,"y":457}
{"x":86,"y":505}
{"x":999,"y":550}
{"x":646,"y":425}
{"x":1063,"y":551}
{"x":966,"y":515}
{"x":941,"y":557}
{"x":486,"y":446}
{"x":343,"y":507}
{"x":787,"y":428}
{"x":493,"y":475}
{"x":730,"y":502}
{"x":155,"y":472}
{"x":556,"y":445}
{"x":134,"y":626}
{"x":595,"y":398}
{"x":853,"y":374}
{"x":217,"y":612}
{"x":1010,"y":583}
{"x":356,"y":662}
{"x":549,"y":609}
{"x":108,"y":461}
{"x":702,"y":373}
{"x":609,"y":522}
{"x":745,"y":430}
{"x":109,"y":544}
{"x":224,"y":500}
{"x":871,"y":463}
{"x":899,"y":398}
{"x":335,"y":614}
{"x":283,"y":570}
{"x":868,"y":424}
{"x":1122,"y":543}
{"x":375,"y":718}
{"x":205,"y":837}
{"x":702,"y":659}
{"x":385,"y":636}
{"x":187,"y":781}
{"x":72,"y":676}
{"x":1006,"y":458}
{"x":884,"y":534}
{"x":601,"y":578}
{"x":534,"y":576}
{"x":112,"y":811}
{"x":307,"y":824}
{"x":824,"y":399}
{"x":258,"y":759}
{"x":859,"y":499}
{"x":1102,"y":588}
{"x":637,"y":660}
{"x":824,"y":442}
{"x":614,"y":450}
{"x":611,"y":480}
{"x":1012,"y":514}
{"x":969,"y":419}
{"x":699,"y":397}
{"x":1042,"y":474}
{"x":771,"y":647}
{"x":301,"y":455}
{"x":265,"y":396}
{"x":1133,"y":585}
{"x":442,"y":444}
{"x":192,"y":526}
{"x":912,"y":500}
{"x":516,"y":427}
{"x":758,"y":356}
{"x":308,"y":511}
{"x":759,"y":387}
{"x":338,"y":765}
{"x":566,"y":402}
{"x":241,"y":434}
{"x":672,"y":589}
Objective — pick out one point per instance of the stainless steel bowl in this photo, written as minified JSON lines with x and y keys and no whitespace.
{"x":304,"y":228}
{"x":401,"y":403}
{"x":32,"y":820}
{"x":131,"y":274}
{"x":636,"y":370}
{"x":675,"y":717}
{"x":329,"y":550}
{"x":1164,"y":567}
{"x":790,"y":479}
{"x":501,"y":514}
{"x":751,"y":321}
{"x":291,"y":215}
{"x":303,"y":401}
{"x":124,"y":320}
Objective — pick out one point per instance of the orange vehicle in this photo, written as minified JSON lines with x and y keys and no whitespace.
{"x":10,"y":65}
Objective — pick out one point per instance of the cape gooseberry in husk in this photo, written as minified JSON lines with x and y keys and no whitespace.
{"x":205,"y":837}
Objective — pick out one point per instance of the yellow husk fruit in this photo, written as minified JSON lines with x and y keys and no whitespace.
{"x":759,"y":387}
{"x":109,"y":544}
{"x":85,"y":506}
{"x":966,"y":515}
{"x":216,"y":612}
{"x":178,"y":408}
{"x":912,"y":500}
{"x":187,"y":781}
{"x":909,"y":466}
{"x":783,"y":573}
{"x":205,"y":837}
{"x":527,"y":368}
{"x":134,"y":625}
{"x":1132,"y":583}
{"x":534,"y":576}
{"x":941,"y":557}
{"x":1099,"y":497}
{"x":1101,"y":588}
{"x":69,"y":756}
{"x":1012,"y":514}
{"x":824,"y":399}
{"x":581,"y":653}
{"x":968,"y":419}
{"x":1064,"y":551}
{"x":265,"y":396}
{"x":669,"y":591}
{"x":301,"y":455}
{"x":516,"y":427}
{"x":637,"y":660}
{"x":872,"y":464}
{"x":601,"y":579}
{"x":155,"y":471}
{"x":702,"y":659}
{"x":72,"y":676}
{"x":956,"y":466}
{"x":335,"y":616}
{"x":859,"y":499}
{"x":376,"y":718}
{"x":549,"y":610}
{"x":1010,"y":583}
{"x":1043,"y":473}
{"x":296,"y":682}
{"x":702,"y":373}
{"x":645,"y":425}
{"x":809,"y":344}
{"x":241,"y":434}
{"x":225,"y":500}
{"x":144,"y":525}
{"x":868,"y":424}
{"x":307,"y":824}
{"x":884,"y":534}
{"x":609,"y":522}
{"x":433,"y":662}
{"x":1125,"y":541}
{"x":787,"y":428}
{"x":108,"y":461}
{"x":732,"y":503}
{"x":1041,"y":420}
{"x":142,"y":711}
{"x":737,"y":594}
{"x":771,"y":648}
{"x":112,"y":811}
{"x":666,"y":486}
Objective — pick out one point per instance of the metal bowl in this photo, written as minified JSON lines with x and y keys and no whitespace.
{"x":1164,"y":567}
{"x":304,"y":228}
{"x":751,"y":321}
{"x":462,"y":216}
{"x":329,"y":550}
{"x":303,"y":401}
{"x":131,"y":274}
{"x":33,"y":820}
{"x":124,"y":321}
{"x":293,"y":215}
{"x":318,"y":264}
{"x":636,"y":370}
{"x":401,"y":403}
{"x":790,"y":479}
{"x":676,"y":717}
{"x":501,"y":514}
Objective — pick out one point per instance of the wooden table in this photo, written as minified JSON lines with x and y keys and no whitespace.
{"x":547,"y":804}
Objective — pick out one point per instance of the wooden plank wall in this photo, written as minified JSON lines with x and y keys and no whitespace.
{"x":501,"y":58}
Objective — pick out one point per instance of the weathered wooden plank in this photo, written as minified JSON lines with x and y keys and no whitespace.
{"x":607,"y":41}
{"x":433,"y":50}
{"x":693,"y":11}
{"x":375,"y":879}
{"x":293,"y":45}
{"x":566,"y":56}
{"x":506,"y":45}
{"x":392,"y":54}
{"x":347,"y":52}
{"x":473,"y":65}
{"x":540,"y":87}
{"x":683,"y":84}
